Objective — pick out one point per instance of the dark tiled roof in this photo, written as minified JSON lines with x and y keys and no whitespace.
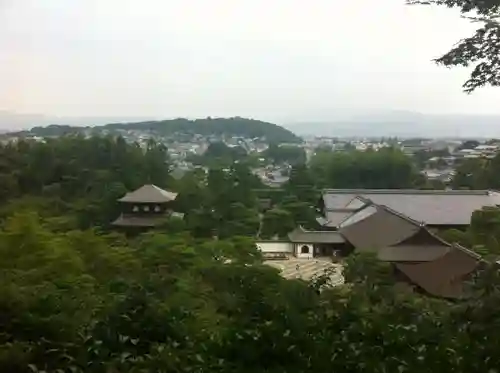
{"x":137,"y":221}
{"x":434,"y":207}
{"x":149,"y":194}
{"x":376,"y":227}
{"x":412,"y":253}
{"x":299,"y":235}
{"x":443,"y":277}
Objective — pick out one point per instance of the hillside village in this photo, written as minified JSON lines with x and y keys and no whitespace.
{"x":436,"y":159}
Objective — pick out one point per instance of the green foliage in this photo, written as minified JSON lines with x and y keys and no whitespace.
{"x":385,"y":169}
{"x":230,"y":127}
{"x":485,"y":231}
{"x":176,"y":299}
{"x":468,"y":144}
{"x":218,"y":154}
{"x":478,"y":173}
{"x":456,"y":236}
{"x":471,"y":174}
{"x":479,"y":50}
{"x":365,"y":268}
{"x":221,"y":204}
{"x":302,"y":184}
{"x":276,"y":222}
{"x":285,"y":154}
{"x":82,"y":302}
{"x":78,"y":176}
{"x":483,"y":234}
{"x":302,"y":212}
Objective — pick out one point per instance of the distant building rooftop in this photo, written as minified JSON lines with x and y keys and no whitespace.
{"x":432,"y":207}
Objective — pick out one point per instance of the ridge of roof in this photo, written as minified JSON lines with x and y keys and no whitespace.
{"x":467,"y":251}
{"x":401,"y":215}
{"x":369,"y":203}
{"x":355,"y":211}
{"x":303,"y":230}
{"x":424,"y":226}
{"x":148,"y":193}
{"x":299,"y":235}
{"x":482,"y":192}
{"x":358,"y":197}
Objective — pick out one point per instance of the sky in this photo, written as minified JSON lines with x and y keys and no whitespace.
{"x":266,"y":59}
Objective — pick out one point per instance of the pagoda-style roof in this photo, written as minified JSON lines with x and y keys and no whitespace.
{"x":149,"y":193}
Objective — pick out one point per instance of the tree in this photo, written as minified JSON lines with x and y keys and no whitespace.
{"x":46,"y":298}
{"x":480,"y":50}
{"x":183,"y":128}
{"x":285,"y":154}
{"x":483,"y":234}
{"x":385,"y":169}
{"x":239,"y":221}
{"x":484,"y":230}
{"x":302,"y":184}
{"x":81,"y":176}
{"x":276,"y":222}
{"x":471,"y":174}
{"x":468,"y":144}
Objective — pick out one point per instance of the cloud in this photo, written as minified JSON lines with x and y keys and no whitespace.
{"x":269,"y":59}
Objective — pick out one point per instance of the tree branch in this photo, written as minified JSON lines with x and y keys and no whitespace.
{"x":481,"y":49}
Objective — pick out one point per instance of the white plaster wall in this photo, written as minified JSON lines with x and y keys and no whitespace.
{"x":275,"y":247}
{"x":309,"y":255}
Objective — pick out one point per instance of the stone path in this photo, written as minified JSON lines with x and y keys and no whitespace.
{"x":307,"y":269}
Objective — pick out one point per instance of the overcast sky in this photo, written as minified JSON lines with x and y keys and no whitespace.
{"x":267,"y":59}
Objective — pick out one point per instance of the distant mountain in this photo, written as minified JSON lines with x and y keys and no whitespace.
{"x":11,"y":121}
{"x":359,"y":123}
{"x":248,"y":128}
{"x":402,"y":124}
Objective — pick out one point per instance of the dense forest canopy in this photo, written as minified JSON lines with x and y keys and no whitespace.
{"x":237,"y":127}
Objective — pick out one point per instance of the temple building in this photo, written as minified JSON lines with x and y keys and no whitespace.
{"x":145,"y":207}
{"x":419,"y":257}
{"x":440,"y":209}
{"x":306,"y":244}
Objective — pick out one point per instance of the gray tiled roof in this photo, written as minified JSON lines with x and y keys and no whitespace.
{"x":334,"y":218}
{"x":412,"y":253}
{"x":378,"y":228}
{"x":433,"y":207}
{"x":137,"y":221}
{"x":149,"y":194}
{"x":300,"y":235}
{"x":444,"y":276}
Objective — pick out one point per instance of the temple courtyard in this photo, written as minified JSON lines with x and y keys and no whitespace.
{"x":308,"y":269}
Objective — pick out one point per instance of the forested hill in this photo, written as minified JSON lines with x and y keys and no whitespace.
{"x":248,"y":128}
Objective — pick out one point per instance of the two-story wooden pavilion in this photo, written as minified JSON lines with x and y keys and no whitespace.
{"x":145,"y":207}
